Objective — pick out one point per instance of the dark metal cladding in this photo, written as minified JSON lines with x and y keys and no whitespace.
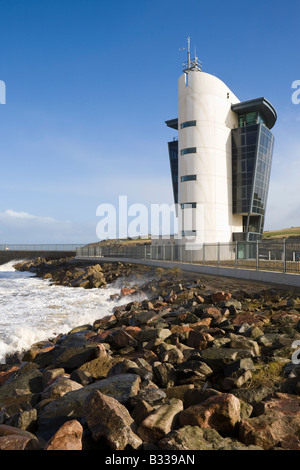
{"x":173,"y":156}
{"x":260,"y":105}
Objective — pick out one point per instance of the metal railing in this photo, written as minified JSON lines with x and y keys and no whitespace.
{"x":39,"y":247}
{"x":268,"y":255}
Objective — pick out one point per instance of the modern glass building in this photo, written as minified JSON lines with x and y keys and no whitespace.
{"x":221,"y":162}
{"x":252,"y":150}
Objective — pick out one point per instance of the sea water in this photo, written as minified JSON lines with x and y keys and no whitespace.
{"x":32,"y":309}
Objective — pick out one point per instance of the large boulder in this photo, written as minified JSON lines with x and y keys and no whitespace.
{"x":277,"y":426}
{"x":161,"y":421}
{"x":28,"y":378}
{"x":71,"y":405}
{"x":60,"y":387}
{"x":191,"y":438}
{"x":72,"y":357}
{"x":12,"y":438}
{"x":68,"y":437}
{"x":219,"y":358}
{"x":220,"y":412}
{"x":109,"y":419}
{"x":98,"y":368}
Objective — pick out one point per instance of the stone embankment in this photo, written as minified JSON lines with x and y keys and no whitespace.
{"x":190,"y":367}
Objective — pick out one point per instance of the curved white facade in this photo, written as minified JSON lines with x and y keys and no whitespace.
{"x":207,"y":100}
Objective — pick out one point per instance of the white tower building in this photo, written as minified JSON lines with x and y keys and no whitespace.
{"x":209,"y":180}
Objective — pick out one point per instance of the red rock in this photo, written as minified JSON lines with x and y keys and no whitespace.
{"x":121,"y":339}
{"x":180,"y":329}
{"x":59,"y":386}
{"x":104,"y":323}
{"x":149,"y":356}
{"x":133,"y":331}
{"x":278,"y":425}
{"x":160,"y":422}
{"x":282,"y":317}
{"x":119,"y":309}
{"x":51,"y":381}
{"x":290,"y":442}
{"x":68,"y":437}
{"x":250,"y":318}
{"x":101,"y":350}
{"x":220,"y":296}
{"x":12,"y":438}
{"x":220,"y":412}
{"x":14,"y":442}
{"x":127,"y":291}
{"x":147,"y":304}
{"x":182,"y":317}
{"x":141,"y":411}
{"x":4,"y":375}
{"x":90,"y":334}
{"x":6,"y":430}
{"x":212,"y":312}
{"x":158,"y":304}
{"x":201,"y":323}
{"x":198,"y":340}
{"x":101,"y":336}
{"x":109,"y":419}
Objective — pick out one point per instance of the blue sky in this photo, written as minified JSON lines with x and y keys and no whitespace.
{"x":89,"y":85}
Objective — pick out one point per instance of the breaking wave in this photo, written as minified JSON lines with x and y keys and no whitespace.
{"x":31,"y":309}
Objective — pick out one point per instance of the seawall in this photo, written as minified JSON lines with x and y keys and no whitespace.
{"x":7,"y":256}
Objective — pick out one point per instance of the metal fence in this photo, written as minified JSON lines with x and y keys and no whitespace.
{"x":268,"y":255}
{"x":39,"y":247}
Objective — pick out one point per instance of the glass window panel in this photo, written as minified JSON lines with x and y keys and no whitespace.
{"x":188,"y":178}
{"x":188,"y":124}
{"x":189,"y":205}
{"x":189,"y":150}
{"x":251,"y":138}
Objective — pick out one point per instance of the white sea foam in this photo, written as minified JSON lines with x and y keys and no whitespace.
{"x":31,"y":309}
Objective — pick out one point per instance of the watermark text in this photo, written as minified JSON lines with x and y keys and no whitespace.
{"x":296,"y":94}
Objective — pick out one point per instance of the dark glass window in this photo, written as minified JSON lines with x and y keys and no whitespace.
{"x":173,"y":157}
{"x":188,"y":178}
{"x":248,"y":119}
{"x":251,"y":166}
{"x":189,"y":205}
{"x":188,"y":124}
{"x":251,"y":138}
{"x":188,"y":150}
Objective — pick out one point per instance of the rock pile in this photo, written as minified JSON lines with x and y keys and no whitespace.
{"x":188,"y":368}
{"x":71,"y":273}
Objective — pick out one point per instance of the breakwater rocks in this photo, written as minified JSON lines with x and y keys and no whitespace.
{"x":190,"y":367}
{"x":71,"y":273}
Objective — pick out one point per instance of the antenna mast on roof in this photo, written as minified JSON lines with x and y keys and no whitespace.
{"x":190,"y":65}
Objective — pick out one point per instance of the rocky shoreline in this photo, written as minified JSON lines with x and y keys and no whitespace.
{"x":199,"y":364}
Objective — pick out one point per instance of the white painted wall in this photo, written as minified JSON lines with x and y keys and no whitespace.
{"x":207,"y":100}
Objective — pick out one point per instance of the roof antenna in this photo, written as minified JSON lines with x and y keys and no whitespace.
{"x":190,"y":65}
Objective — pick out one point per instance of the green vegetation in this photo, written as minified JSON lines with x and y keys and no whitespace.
{"x":267,"y":375}
{"x":175,"y":271}
{"x":123,"y":242}
{"x":283,"y":233}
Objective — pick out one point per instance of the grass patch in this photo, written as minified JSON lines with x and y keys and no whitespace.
{"x":267,"y":375}
{"x":160,"y":271}
{"x":175,"y":271}
{"x":284,"y":233}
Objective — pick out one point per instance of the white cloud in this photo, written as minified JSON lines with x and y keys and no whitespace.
{"x":11,"y":215}
{"x":22,"y":227}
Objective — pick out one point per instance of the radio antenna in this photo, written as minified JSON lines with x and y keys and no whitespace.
{"x":190,"y":65}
